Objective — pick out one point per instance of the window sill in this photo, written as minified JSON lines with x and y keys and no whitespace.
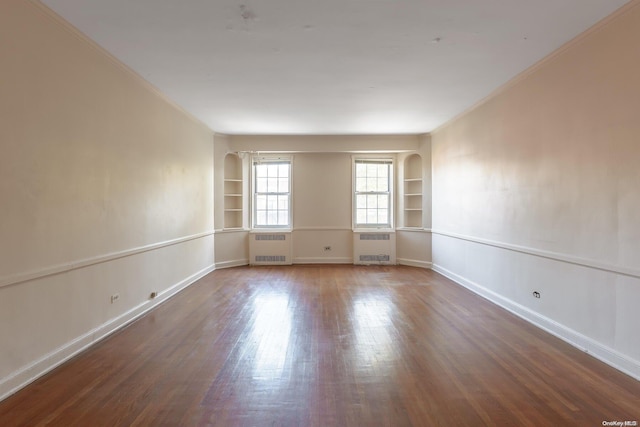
{"x":374,"y":230}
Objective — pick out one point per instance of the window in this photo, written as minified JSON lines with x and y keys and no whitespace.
{"x":372,"y":193}
{"x":271,"y":192}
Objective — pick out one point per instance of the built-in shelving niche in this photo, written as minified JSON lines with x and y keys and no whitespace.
{"x":413,"y":191}
{"x":233,"y":212}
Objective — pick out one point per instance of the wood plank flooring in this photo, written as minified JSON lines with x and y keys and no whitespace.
{"x":327,"y":346}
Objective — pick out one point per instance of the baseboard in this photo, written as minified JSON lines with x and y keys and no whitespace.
{"x":323,"y":260}
{"x":232,"y":263}
{"x":52,"y":360}
{"x":414,"y":263}
{"x":601,"y":352}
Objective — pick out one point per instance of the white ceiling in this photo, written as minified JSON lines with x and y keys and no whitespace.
{"x":329,"y":66}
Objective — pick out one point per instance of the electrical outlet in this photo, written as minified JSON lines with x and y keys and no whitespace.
{"x":327,"y":248}
{"x":536,"y":294}
{"x":114,"y":298}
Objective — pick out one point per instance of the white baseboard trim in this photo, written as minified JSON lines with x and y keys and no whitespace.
{"x":601,"y":352}
{"x":323,"y":260}
{"x":232,"y":263}
{"x":414,"y":263}
{"x":52,"y":360}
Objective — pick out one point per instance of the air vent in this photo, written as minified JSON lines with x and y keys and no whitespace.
{"x":270,"y":258}
{"x":374,"y":236}
{"x":374,"y":258}
{"x":270,"y":237}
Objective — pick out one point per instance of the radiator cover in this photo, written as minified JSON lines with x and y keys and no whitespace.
{"x":270,"y":248}
{"x":374,"y":247}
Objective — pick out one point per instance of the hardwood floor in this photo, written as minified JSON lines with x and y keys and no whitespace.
{"x":328,"y":346}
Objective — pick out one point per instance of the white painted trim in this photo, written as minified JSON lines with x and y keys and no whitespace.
{"x":570,"y":259}
{"x":231,"y":230}
{"x":322,"y":228}
{"x":232,"y":263}
{"x":414,"y":230}
{"x":75,"y":265}
{"x":27,"y":374}
{"x":605,"y":354}
{"x":323,"y":260}
{"x":414,"y":263}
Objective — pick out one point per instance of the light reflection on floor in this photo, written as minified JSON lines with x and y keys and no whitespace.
{"x":271,"y":330}
{"x":373,"y":315}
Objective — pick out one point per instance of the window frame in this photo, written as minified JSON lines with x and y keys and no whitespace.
{"x":257,"y":160}
{"x":390,"y":225}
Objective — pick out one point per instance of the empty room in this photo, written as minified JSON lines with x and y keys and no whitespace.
{"x":332,"y":213}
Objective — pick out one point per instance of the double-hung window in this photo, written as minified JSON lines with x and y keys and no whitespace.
{"x":271,"y":192}
{"x":373,"y":196}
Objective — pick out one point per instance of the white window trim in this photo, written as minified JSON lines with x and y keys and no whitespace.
{"x":252,"y":200}
{"x":392,"y":205}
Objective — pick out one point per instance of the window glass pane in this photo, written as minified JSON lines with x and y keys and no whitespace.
{"x":272,"y":202}
{"x":272,"y":185}
{"x":261,"y":202}
{"x":372,"y":217}
{"x":272,"y":218}
{"x":261,"y":218}
{"x":261,"y":171}
{"x":372,"y":209}
{"x":361,"y":201}
{"x":272,"y":194}
{"x":382,"y":184}
{"x":283,"y":203}
{"x":283,"y":218}
{"x":261,"y":185}
{"x":383,"y":217}
{"x":372,"y":184}
{"x":372,"y":201}
{"x":283,"y":185}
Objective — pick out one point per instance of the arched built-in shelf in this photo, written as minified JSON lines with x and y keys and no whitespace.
{"x":233,"y":212}
{"x":413,"y":191}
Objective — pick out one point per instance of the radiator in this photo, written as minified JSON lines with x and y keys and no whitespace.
{"x":374,"y":247}
{"x":270,"y":248}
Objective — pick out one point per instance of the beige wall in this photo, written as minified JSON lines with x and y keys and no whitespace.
{"x":105,"y":188}
{"x":321,"y":189}
{"x":322,"y":208}
{"x":538,"y":188}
